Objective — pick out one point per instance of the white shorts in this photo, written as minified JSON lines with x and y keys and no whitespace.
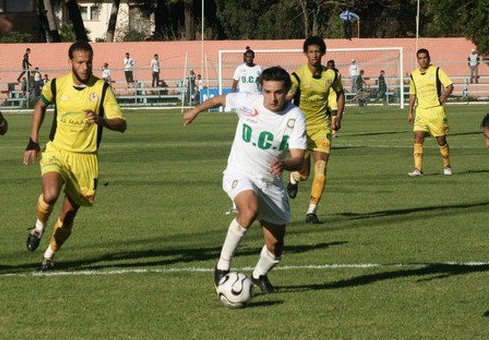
{"x":273,"y":204}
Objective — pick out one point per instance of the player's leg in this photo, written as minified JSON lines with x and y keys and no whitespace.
{"x":419,"y":137}
{"x":61,"y":232}
{"x":247,"y":206}
{"x":270,"y":255}
{"x":298,"y":176}
{"x":445,"y":154}
{"x":318,"y":185}
{"x":52,"y":182}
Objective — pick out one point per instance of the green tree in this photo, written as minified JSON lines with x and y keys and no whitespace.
{"x":468,"y":18}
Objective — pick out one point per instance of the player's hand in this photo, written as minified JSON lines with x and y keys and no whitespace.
{"x":30,"y":156}
{"x":336,"y":125}
{"x":277,"y":166}
{"x":94,"y":118}
{"x":410,"y":118}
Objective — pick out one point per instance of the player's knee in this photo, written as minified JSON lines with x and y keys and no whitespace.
{"x":50,"y":196}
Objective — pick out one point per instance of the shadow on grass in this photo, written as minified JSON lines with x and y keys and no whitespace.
{"x":396,"y":212}
{"x":437,"y":270}
{"x":152,"y":258}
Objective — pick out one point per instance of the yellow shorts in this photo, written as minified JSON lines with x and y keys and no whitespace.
{"x":79,"y":171}
{"x":432,"y":120}
{"x":319,"y":137}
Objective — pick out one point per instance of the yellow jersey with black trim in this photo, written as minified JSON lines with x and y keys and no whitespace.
{"x":73,"y":132}
{"x":426,"y":86}
{"x":313,"y":91}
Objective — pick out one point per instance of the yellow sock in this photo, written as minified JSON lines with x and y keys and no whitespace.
{"x":418,"y":156}
{"x":60,"y":235}
{"x":318,"y":182}
{"x":445,"y":153}
{"x":44,"y":210}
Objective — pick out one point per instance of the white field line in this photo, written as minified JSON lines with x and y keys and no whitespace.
{"x":196,"y":269}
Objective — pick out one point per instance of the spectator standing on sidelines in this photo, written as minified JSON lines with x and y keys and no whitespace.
{"x":311,"y":85}
{"x":106,"y":73}
{"x":45,"y":79}
{"x":70,"y":157}
{"x":3,"y":124}
{"x":473,"y":62}
{"x":381,"y":88}
{"x":199,"y":85}
{"x":246,"y":76}
{"x":25,"y":65}
{"x":270,"y":138}
{"x":155,"y":68}
{"x":37,"y":82}
{"x":354,"y":72}
{"x":129,"y":69}
{"x":428,"y":90}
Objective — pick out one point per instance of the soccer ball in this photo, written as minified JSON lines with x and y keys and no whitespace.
{"x":235,"y":290}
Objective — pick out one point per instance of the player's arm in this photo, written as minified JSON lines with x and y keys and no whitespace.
{"x":447,"y":90}
{"x":32,"y":150}
{"x":210,"y":103}
{"x":294,"y":162}
{"x":114,"y":124}
{"x":412,"y":100}
{"x":340,"y":102}
{"x":234,"y":86}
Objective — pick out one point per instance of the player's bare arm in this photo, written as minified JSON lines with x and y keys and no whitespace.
{"x":412,"y":100}
{"x":340,"y":101}
{"x":114,"y":124}
{"x":210,"y":103}
{"x":446,"y":92}
{"x":294,"y":162}
{"x":33,"y":150}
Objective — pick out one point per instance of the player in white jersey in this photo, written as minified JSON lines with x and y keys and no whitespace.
{"x":270,"y":138}
{"x":246,"y":76}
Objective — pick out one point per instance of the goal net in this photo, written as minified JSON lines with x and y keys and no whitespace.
{"x":371,"y":60}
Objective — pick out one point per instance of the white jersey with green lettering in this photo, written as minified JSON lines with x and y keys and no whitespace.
{"x":247,"y":78}
{"x":262,"y":135}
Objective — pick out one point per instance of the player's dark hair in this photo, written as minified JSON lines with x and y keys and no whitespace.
{"x":80,"y":46}
{"x":276,"y":73}
{"x":314,"y":41}
{"x":248,"y":50}
{"x":424,"y":51}
{"x":485,"y":121}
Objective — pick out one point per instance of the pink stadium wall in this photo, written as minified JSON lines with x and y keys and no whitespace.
{"x":449,"y":52}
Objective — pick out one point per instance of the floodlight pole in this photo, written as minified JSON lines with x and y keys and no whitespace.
{"x":202,"y":40}
{"x":417,"y":26}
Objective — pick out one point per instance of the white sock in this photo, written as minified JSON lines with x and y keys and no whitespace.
{"x":292,"y":179}
{"x":233,"y":238}
{"x":49,"y":253}
{"x":39,"y":226}
{"x":266,"y":263}
{"x":312,"y":209}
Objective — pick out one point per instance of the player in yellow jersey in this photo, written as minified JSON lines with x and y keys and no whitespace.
{"x":311,"y":86}
{"x":485,"y":129}
{"x":429,"y":89}
{"x":85,"y":105}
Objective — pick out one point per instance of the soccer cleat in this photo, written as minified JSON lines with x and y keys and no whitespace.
{"x":415,"y":173}
{"x":218,"y":275}
{"x":312,"y":219}
{"x":292,"y":188}
{"x":264,"y":283}
{"x":33,"y":239}
{"x":46,"y":265}
{"x":447,"y":171}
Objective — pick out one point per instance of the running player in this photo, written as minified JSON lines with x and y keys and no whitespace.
{"x":429,"y":89}
{"x":85,"y":105}
{"x":270,"y":138}
{"x":311,"y":86}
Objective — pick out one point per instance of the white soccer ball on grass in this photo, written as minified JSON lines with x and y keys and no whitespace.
{"x":235,"y":290}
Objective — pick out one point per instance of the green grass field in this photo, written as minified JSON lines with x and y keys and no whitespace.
{"x":396,"y":257}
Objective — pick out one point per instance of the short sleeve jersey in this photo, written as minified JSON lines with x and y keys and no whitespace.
{"x":73,"y":132}
{"x":262,"y":135}
{"x":128,"y":64}
{"x":313,"y":93}
{"x":248,"y":78}
{"x":425,"y":86}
